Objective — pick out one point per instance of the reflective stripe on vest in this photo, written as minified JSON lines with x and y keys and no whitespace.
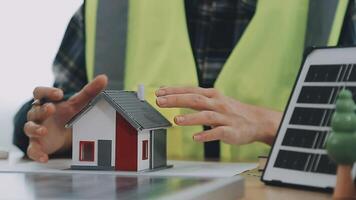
{"x":112,"y":39}
{"x":261,"y":69}
{"x":325,"y":19}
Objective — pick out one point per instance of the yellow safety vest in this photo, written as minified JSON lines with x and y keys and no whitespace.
{"x":261,"y":69}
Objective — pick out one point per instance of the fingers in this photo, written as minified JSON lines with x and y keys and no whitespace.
{"x":89,"y":91}
{"x":218,"y":133}
{"x":188,"y":97}
{"x":33,"y":130}
{"x":34,"y":152}
{"x":40,"y":113}
{"x":50,"y":93}
{"x":209,"y":118}
{"x":208,"y":92}
{"x":193,"y":101}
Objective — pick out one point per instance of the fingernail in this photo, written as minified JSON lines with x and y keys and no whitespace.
{"x":44,"y":108}
{"x":160,"y":92}
{"x":197,"y":137}
{"x":43,"y":159}
{"x":161,"y":100}
{"x":57,"y":93}
{"x":40,"y":131}
{"x":179,"y":119}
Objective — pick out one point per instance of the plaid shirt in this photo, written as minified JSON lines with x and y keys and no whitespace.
{"x":348,"y":33}
{"x":215,"y":26}
{"x":69,"y":64}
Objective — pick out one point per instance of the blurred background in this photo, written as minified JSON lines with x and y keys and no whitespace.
{"x":30,"y":34}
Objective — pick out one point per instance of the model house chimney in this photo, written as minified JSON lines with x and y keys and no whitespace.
{"x":141,"y":92}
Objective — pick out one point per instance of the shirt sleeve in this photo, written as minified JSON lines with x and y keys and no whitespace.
{"x":69,"y":64}
{"x":69,"y":72}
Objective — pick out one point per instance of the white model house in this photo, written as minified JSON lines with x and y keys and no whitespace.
{"x":118,"y":130}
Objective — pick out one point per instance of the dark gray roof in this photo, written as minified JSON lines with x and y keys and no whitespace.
{"x":140,"y":114}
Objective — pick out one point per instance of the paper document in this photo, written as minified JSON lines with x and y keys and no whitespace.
{"x":205,"y":169}
{"x":180,"y":168}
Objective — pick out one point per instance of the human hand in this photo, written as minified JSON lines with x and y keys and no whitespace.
{"x":45,"y":125}
{"x":231,"y":121}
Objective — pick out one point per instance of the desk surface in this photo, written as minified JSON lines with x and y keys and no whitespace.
{"x":255,"y":189}
{"x":110,"y":186}
{"x":29,"y":180}
{"x":78,"y":186}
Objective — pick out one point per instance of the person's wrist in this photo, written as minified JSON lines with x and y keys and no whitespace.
{"x":268,"y":125}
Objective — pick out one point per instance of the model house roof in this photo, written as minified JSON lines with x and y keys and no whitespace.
{"x":140,"y":114}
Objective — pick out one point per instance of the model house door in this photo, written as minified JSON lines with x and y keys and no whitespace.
{"x":158,"y":148}
{"x":104,"y":153}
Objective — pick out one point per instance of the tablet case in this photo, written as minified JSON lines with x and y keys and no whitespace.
{"x":298,"y":157}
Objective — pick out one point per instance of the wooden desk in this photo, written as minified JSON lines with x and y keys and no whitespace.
{"x":255,"y":189}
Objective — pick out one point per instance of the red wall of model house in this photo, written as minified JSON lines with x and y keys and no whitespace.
{"x":126,"y":145}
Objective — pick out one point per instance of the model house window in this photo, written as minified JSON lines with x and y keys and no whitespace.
{"x":86,"y":151}
{"x":145,"y":150}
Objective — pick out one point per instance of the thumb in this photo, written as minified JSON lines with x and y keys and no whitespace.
{"x":89,"y":91}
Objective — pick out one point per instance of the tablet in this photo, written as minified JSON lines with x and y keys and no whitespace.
{"x":298,"y":156}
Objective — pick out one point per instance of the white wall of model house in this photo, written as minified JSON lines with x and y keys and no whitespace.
{"x":99,"y":123}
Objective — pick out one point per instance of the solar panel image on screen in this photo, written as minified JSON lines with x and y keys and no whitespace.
{"x":298,"y":155}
